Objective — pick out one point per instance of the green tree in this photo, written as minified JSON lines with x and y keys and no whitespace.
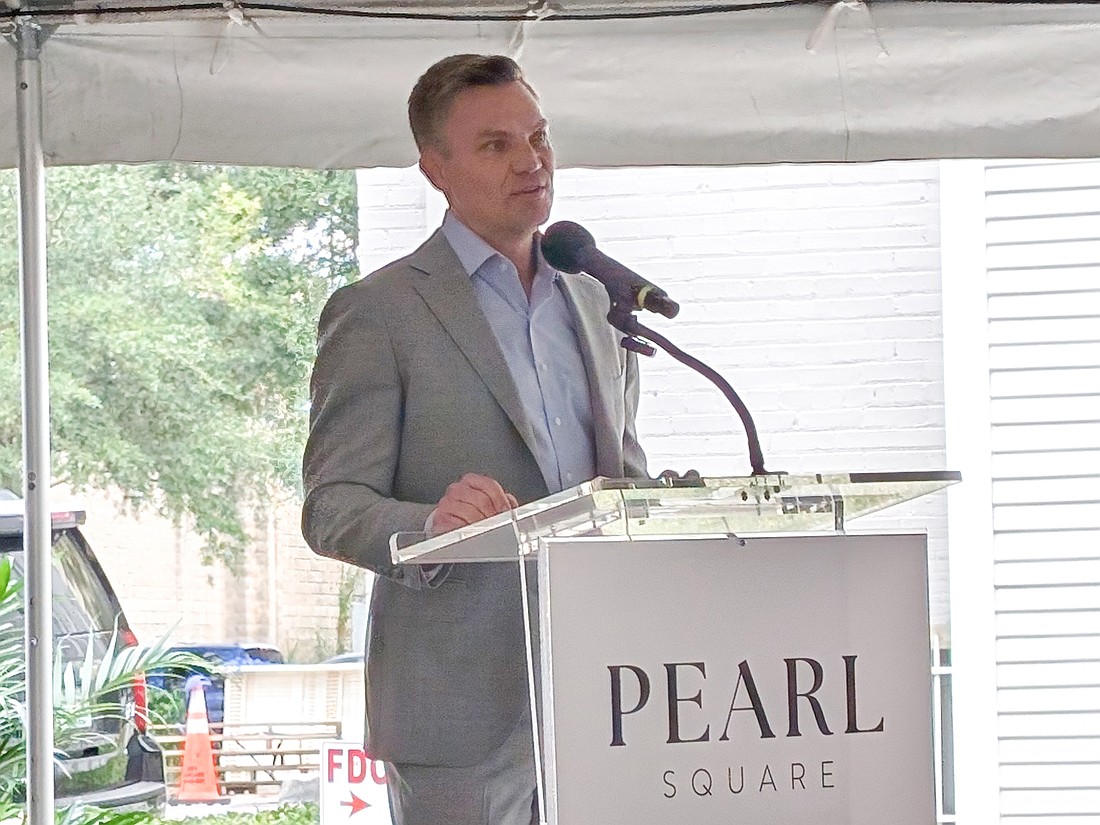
{"x":183,"y":306}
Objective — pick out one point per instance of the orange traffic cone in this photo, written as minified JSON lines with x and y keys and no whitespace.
{"x":198,"y":779}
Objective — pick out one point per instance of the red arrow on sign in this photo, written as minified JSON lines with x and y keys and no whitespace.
{"x":356,"y":804}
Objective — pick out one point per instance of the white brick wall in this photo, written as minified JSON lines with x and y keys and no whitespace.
{"x":814,"y":290}
{"x":394,"y":207}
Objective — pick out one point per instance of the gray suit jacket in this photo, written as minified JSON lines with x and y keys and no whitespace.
{"x":409,"y":392}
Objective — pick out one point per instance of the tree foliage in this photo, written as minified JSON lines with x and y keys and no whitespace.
{"x":183,"y":304}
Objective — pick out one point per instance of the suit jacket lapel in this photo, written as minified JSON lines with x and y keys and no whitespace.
{"x":605,"y":359}
{"x":446,"y":289}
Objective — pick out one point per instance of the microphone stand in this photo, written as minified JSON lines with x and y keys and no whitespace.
{"x":637,"y":334}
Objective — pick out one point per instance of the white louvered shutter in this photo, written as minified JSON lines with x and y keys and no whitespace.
{"x":1043,"y":259}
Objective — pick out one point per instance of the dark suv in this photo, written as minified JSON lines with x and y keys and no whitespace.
{"x":113,"y":763}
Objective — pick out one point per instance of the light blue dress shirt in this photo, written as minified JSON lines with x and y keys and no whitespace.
{"x":538,"y":339}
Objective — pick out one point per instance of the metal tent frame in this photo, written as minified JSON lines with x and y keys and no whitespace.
{"x":626,"y":82}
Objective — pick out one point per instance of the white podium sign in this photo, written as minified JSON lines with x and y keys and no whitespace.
{"x":765,"y":680}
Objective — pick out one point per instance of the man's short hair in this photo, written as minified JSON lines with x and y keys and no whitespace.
{"x":437,"y":88}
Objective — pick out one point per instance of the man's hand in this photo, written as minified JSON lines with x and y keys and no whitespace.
{"x":468,"y":500}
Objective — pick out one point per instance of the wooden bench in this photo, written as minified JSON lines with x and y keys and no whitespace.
{"x":250,"y":756}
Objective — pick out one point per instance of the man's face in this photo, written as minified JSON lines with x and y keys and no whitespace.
{"x":494,"y":162}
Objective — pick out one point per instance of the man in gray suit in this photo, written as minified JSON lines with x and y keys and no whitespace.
{"x":450,"y":386}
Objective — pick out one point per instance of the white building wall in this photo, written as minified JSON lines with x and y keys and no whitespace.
{"x":1029,"y":570}
{"x":280,"y":593}
{"x":813,"y":289}
{"x":1043,"y":258}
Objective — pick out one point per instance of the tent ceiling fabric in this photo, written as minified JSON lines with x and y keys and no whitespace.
{"x":510,"y":9}
{"x":294,"y":89}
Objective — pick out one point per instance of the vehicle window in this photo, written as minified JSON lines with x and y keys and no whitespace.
{"x":265,"y":654}
{"x":80,"y":600}
{"x":12,"y":547}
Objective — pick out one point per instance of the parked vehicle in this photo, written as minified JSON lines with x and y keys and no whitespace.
{"x":351,"y":657}
{"x":221,"y":657}
{"x":109,"y":761}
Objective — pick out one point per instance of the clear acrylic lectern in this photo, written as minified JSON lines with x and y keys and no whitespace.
{"x":716,"y":506}
{"x":725,"y":650}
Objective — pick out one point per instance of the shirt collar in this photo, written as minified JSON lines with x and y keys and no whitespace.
{"x":472,"y":250}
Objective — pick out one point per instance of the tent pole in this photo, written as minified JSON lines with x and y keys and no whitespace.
{"x":36,"y":425}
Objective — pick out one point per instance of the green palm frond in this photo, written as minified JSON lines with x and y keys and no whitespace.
{"x":5,"y":574}
{"x":81,"y":690}
{"x":12,"y":813}
{"x":88,"y":815}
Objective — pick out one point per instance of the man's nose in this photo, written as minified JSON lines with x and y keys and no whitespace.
{"x":527,"y":159}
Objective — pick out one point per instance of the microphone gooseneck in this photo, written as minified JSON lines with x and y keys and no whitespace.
{"x":569,"y":247}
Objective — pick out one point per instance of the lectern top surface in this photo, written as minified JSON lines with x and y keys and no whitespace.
{"x":645,"y":509}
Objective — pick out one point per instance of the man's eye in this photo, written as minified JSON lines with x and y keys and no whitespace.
{"x":495,"y":146}
{"x":540,"y":139}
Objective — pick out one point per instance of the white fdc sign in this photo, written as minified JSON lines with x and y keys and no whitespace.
{"x":770,"y":680}
{"x":353,"y":786}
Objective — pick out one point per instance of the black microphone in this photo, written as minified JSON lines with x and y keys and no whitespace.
{"x":569,"y":247}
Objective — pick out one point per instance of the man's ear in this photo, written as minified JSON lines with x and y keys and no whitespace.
{"x":431,"y":165}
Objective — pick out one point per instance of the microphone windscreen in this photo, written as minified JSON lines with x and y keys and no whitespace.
{"x":562,"y":245}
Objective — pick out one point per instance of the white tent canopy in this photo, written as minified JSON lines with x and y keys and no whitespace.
{"x":761,"y":82}
{"x":322,"y":89}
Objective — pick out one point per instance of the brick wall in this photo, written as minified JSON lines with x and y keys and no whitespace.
{"x":281,"y":593}
{"x":814,"y":289}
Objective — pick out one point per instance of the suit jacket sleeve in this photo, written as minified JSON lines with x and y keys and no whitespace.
{"x":355,"y":439}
